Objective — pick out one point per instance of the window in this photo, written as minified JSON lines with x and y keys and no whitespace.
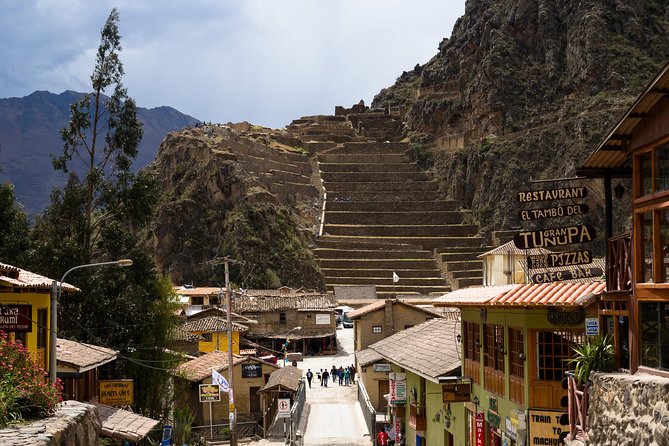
{"x":206,"y":336}
{"x":472,"y":341}
{"x":41,"y":327}
{"x":654,"y":170}
{"x":516,"y":352}
{"x":554,"y":349}
{"x":654,"y":334}
{"x":197,"y":300}
{"x":282,"y":318}
{"x":653,"y":232}
{"x":376,"y":329}
{"x":493,"y":347}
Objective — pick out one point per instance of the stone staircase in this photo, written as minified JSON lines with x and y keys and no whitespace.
{"x":383,"y":215}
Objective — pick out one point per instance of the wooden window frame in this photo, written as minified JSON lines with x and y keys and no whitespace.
{"x":472,"y":350}
{"x":559,"y":362}
{"x":494,"y":358}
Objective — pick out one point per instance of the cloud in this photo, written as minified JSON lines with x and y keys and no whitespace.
{"x":264,"y":61}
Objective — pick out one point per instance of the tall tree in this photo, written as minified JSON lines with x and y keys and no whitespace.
{"x":101,"y":217}
{"x":103,"y":133}
{"x":14,"y":228}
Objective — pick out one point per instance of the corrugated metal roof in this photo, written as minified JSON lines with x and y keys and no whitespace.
{"x":611,"y":154}
{"x":510,"y":248}
{"x":545,"y":294}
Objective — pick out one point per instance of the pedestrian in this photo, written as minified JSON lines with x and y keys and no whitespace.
{"x":352,"y":374}
{"x":320,"y":377}
{"x":326,"y":375}
{"x":340,"y":375}
{"x":309,"y":377}
{"x":346,"y":376}
{"x":382,"y":437}
{"x":333,"y":373}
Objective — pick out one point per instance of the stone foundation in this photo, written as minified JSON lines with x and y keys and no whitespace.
{"x":628,"y":410}
{"x":73,"y":424}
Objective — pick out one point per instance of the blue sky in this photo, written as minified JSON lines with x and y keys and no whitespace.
{"x":263,"y":61}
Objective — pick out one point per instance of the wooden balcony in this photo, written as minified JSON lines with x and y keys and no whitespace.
{"x":619,"y":268}
{"x":417,"y":419}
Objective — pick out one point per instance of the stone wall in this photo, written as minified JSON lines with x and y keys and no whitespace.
{"x":628,"y":410}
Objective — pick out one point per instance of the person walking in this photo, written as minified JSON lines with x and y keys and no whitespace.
{"x":382,"y":437}
{"x":346,"y":377}
{"x":309,"y":377}
{"x":326,"y":375}
{"x":320,"y":377}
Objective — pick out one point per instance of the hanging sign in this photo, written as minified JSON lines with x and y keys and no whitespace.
{"x":558,"y":259}
{"x":456,"y":392}
{"x":398,"y":388}
{"x":554,"y":212}
{"x":568,"y":274}
{"x":545,"y":238}
{"x":480,"y":429}
{"x":209,"y":393}
{"x":564,"y":193}
{"x":116,"y":392}
{"x":16,"y":318}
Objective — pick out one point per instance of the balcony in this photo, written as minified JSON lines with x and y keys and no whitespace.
{"x":417,"y":418}
{"x":619,"y":268}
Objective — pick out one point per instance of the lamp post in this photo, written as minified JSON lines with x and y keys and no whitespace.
{"x":56,"y":290}
{"x":285,"y":356}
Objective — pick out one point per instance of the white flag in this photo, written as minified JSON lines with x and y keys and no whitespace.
{"x":396,"y":278}
{"x":217,"y":378}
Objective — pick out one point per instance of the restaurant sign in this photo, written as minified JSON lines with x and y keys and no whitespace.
{"x":553,"y":212}
{"x":116,"y":392}
{"x":564,"y":193}
{"x":554,"y":237}
{"x":456,"y":392}
{"x":251,"y":370}
{"x":209,"y":393}
{"x":560,"y":317}
{"x":16,"y":318}
{"x":567,"y":274}
{"x":559,"y":259}
{"x":398,"y":388}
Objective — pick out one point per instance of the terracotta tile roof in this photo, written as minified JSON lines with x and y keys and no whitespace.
{"x":287,"y":377}
{"x":546,"y":294}
{"x":20,"y":278}
{"x":82,"y":356}
{"x":283,"y":291}
{"x":510,"y":248}
{"x":200,"y":368}
{"x":596,"y":263}
{"x":382,"y":303}
{"x":122,"y":424}
{"x":211,"y":325}
{"x":177,"y":333}
{"x":367,"y":356}
{"x":257,"y":302}
{"x":429,"y":349}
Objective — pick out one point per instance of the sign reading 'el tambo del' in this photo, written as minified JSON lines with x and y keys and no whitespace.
{"x":554,"y":212}
{"x":545,"y":238}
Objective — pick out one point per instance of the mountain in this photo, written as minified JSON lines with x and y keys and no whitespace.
{"x":522,"y":90}
{"x":29,"y":135}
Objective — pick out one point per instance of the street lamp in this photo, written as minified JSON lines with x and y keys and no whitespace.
{"x":56,"y":290}
{"x":285,"y":356}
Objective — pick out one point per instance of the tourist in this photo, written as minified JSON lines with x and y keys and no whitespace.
{"x":320,"y":377}
{"x":346,"y":376}
{"x":382,"y":437}
{"x":326,"y":375}
{"x":309,"y":377}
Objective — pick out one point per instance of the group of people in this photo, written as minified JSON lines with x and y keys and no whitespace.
{"x":345,"y":376}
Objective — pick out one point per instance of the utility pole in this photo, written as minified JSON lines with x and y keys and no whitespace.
{"x":231,"y":393}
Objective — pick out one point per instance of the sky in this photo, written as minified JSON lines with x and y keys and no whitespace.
{"x":263,"y":61}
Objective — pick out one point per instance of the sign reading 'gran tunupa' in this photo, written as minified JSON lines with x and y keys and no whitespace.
{"x":559,"y":259}
{"x":545,"y":238}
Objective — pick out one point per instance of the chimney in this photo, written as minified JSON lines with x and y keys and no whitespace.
{"x":388,"y":326}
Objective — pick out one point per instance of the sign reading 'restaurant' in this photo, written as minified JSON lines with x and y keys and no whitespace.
{"x":554,"y":237}
{"x":553,"y":194}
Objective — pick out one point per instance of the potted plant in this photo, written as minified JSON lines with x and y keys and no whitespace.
{"x":596,"y":354}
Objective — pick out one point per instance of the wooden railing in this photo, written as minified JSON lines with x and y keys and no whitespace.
{"x":578,"y":408}
{"x":619,"y":269}
{"x":417,"y":419}
{"x":493,"y":380}
{"x":473,"y":369}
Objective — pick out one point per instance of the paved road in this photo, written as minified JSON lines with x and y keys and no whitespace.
{"x":333,"y":413}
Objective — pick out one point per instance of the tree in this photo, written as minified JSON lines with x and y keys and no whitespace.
{"x":104,"y":216}
{"x":14,"y":230}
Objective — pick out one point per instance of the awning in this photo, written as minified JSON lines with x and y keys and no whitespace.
{"x":123,"y":424}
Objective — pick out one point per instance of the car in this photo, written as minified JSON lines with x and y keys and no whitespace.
{"x":346,"y":321}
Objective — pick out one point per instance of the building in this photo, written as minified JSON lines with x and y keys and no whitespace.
{"x":194,"y":299}
{"x":516,"y":344}
{"x":384,"y":318}
{"x":78,"y":368}
{"x":424,"y":361}
{"x":25,"y":299}
{"x":211,"y":326}
{"x":635,"y":155}
{"x":249,"y":376}
{"x":303,"y":318}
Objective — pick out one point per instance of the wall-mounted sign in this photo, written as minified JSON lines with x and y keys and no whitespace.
{"x":322,"y":319}
{"x":554,"y":212}
{"x":283,"y":406}
{"x":456,"y":392}
{"x":559,"y":259}
{"x":592,"y":326}
{"x":546,"y":426}
{"x":566,"y":317}
{"x":480,"y":429}
{"x":16,"y":318}
{"x":494,"y":420}
{"x":209,"y":393}
{"x":568,"y":274}
{"x":398,"y":388}
{"x":545,"y":238}
{"x":116,"y":392}
{"x":251,"y":370}
{"x":564,"y":193}
{"x":381,"y":367}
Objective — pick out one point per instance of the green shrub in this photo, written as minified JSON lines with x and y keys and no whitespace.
{"x":24,"y":389}
{"x":595,"y":355}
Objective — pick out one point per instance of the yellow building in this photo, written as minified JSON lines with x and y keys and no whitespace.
{"x":213,"y":331}
{"x":25,"y":298}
